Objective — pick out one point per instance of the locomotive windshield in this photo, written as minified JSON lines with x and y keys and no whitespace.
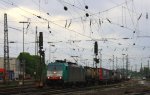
{"x":55,"y":71}
{"x":55,"y":67}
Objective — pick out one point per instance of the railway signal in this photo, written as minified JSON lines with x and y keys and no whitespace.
{"x":41,"y":40}
{"x":42,"y":61}
{"x":96,"y":48}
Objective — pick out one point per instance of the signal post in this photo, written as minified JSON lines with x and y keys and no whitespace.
{"x":40,"y":79}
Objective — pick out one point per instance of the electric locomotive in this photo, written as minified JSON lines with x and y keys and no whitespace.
{"x":63,"y":73}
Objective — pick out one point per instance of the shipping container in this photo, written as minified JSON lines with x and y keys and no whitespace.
{"x":2,"y":70}
{"x":10,"y":74}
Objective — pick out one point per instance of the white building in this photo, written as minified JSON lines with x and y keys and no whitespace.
{"x":14,"y":65}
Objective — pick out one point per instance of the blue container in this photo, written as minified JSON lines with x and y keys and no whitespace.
{"x":10,"y":74}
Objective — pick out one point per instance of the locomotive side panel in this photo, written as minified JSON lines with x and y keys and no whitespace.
{"x":76,"y":74}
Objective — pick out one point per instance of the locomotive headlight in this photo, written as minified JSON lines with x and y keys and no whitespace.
{"x":60,"y":77}
{"x":54,"y":72}
{"x":48,"y":77}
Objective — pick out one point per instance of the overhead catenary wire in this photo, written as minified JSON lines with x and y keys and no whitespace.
{"x":48,"y":20}
{"x":38,"y":16}
{"x":34,"y":14}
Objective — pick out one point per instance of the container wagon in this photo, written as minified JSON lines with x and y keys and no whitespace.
{"x":2,"y":73}
{"x":104,"y":75}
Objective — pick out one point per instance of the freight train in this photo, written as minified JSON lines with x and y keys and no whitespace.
{"x":68,"y":73}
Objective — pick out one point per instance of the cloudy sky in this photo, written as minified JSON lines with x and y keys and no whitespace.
{"x":119,"y":26}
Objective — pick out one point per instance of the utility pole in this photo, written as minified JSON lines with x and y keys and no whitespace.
{"x":36,"y":42}
{"x":49,"y":52}
{"x":36,"y":52}
{"x":100,"y":58}
{"x":141,"y":68}
{"x":113,"y":63}
{"x":127,"y":64}
{"x":23,"y":31}
{"x":23,"y":61}
{"x":123,"y":63}
{"x":6,"y":48}
{"x":148,"y":64}
{"x":116,"y":63}
{"x":131,"y":68}
{"x":109,"y":61}
{"x":86,"y":62}
{"x":135,"y":67}
{"x":148,"y":69}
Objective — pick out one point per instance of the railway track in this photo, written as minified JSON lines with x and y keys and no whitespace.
{"x":32,"y":90}
{"x":13,"y":90}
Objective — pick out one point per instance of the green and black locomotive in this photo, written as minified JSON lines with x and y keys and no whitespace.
{"x":61,"y":73}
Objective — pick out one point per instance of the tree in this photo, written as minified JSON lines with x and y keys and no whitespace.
{"x":31,"y":62}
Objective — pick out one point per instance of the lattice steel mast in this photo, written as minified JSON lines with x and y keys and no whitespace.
{"x":6,"y":47}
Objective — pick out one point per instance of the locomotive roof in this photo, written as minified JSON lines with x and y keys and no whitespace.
{"x":71,"y":63}
{"x":61,"y":61}
{"x":64,"y":61}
